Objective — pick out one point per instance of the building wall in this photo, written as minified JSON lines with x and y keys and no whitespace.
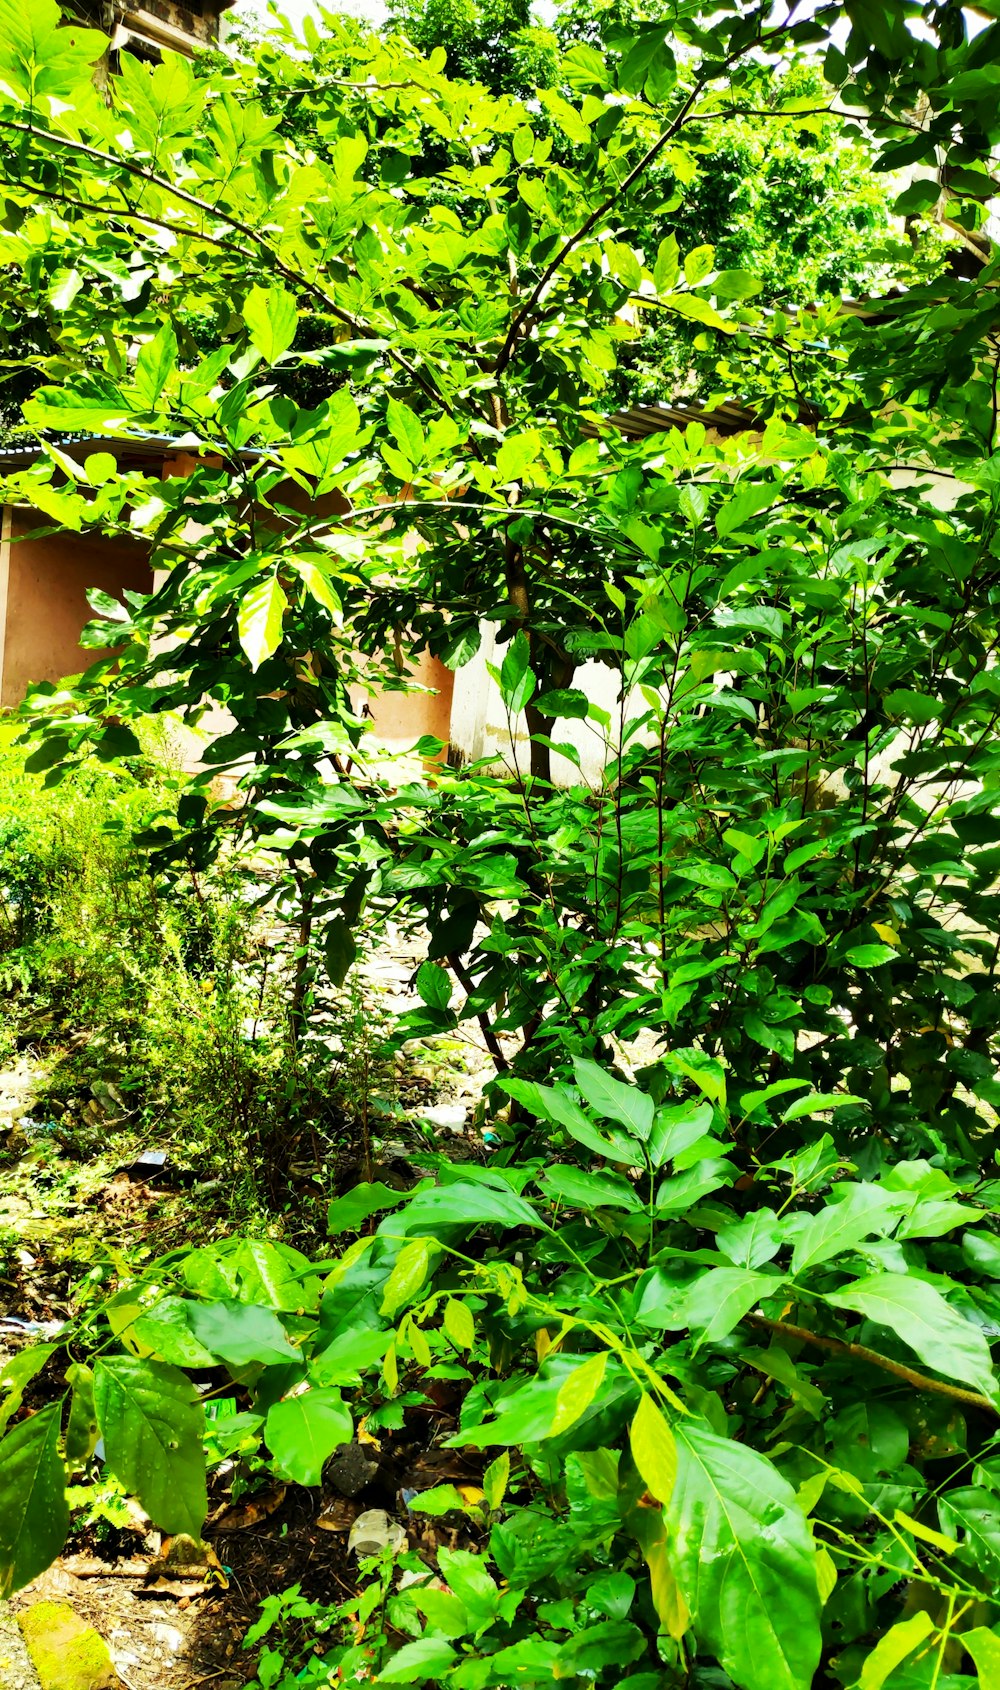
{"x":43,"y":598}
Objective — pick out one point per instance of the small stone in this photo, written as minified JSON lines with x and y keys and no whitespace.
{"x":450,"y":1117}
{"x":170,"y":1637}
{"x":349,"y":1470}
{"x":67,"y":1654}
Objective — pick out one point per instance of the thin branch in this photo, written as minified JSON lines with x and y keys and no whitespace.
{"x":490,"y":1039}
{"x":589,"y":223}
{"x":837,"y":1346}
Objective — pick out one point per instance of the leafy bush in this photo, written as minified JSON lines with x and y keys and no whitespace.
{"x":732,"y":1326}
{"x":748,"y":1422}
{"x":163,"y":984}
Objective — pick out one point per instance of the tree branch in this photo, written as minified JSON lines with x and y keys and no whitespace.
{"x":490,"y":1039}
{"x":589,"y":223}
{"x":837,"y":1346}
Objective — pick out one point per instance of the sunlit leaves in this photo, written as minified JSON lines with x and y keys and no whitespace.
{"x":577,"y":1392}
{"x":303,"y":1431}
{"x":407,"y":1276}
{"x":260,"y":618}
{"x":613,"y":1100}
{"x":154,"y":366}
{"x":919,"y":1314}
{"x":654,"y":1449}
{"x":271,"y":316}
{"x":38,"y":57}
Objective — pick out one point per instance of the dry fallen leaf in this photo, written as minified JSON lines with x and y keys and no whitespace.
{"x":242,"y":1515}
{"x":339,"y":1515}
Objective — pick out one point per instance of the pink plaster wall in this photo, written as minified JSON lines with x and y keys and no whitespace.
{"x":46,"y":609}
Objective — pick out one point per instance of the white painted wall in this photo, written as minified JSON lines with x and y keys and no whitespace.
{"x":480,"y":729}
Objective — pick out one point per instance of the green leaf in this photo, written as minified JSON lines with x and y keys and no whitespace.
{"x":818,"y":1102}
{"x":697,"y":310}
{"x":434,"y":985}
{"x":81,"y":1427}
{"x":339,"y":949}
{"x":332,"y":433}
{"x":717,"y":1301}
{"x":735,"y":284}
{"x":259,"y":620}
{"x":464,"y":1204}
{"x":152,"y":1422}
{"x":466,"y":1575}
{"x":654,"y":1449}
{"x":556,"y":1103}
{"x":745,"y":1561}
{"x":870,"y":956}
{"x":302,"y":1433}
{"x":517,"y":683}
{"x":155,"y":364}
{"x":899,"y":1641}
{"x":459,"y":1324}
{"x":984,"y":1647}
{"x":524,"y":1414}
{"x":972,"y":1515}
{"x":66,"y":284}
{"x":441,"y":1499}
{"x":982,"y":1252}
{"x":349,"y":1213}
{"x":698,"y":263}
{"x":165,"y":1330}
{"x":840,"y":1226}
{"x":407,"y":1277}
{"x":318,"y":585}
{"x":16,"y":1373}
{"x":404,"y":426}
{"x":667,"y":267}
{"x":272,"y":318}
{"x":565,"y":702}
{"x":577,"y":1392}
{"x":746,"y":502}
{"x":587,"y":1190}
{"x":241,"y":1333}
{"x":495,"y":1481}
{"x":269,"y":1273}
{"x":34,"y":1514}
{"x":351,"y":1353}
{"x":613,"y":1100}
{"x":919,"y":1315}
{"x":674,"y":1130}
{"x":751,"y":1241}
{"x":916,"y":706}
{"x":39,"y":57}
{"x":517,"y":454}
{"x":428,"y":1657}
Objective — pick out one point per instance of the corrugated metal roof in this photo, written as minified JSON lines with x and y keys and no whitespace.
{"x":642,"y":420}
{"x":635,"y":424}
{"x":130,"y":450}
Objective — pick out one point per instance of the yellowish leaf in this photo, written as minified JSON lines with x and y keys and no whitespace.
{"x":653,"y":1449}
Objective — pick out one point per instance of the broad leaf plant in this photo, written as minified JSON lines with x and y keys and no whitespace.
{"x":728,"y":1322}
